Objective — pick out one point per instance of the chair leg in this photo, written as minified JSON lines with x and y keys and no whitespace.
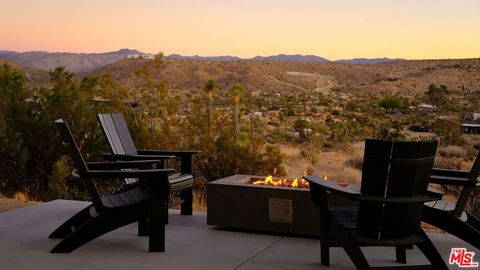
{"x":143,"y":227}
{"x":187,"y":201}
{"x":156,"y":240}
{"x":90,"y":230}
{"x":453,"y":225}
{"x":349,"y":244}
{"x":158,"y":213}
{"x":429,"y":250}
{"x":401,"y":254}
{"x":72,"y":223}
{"x":473,"y":221}
{"x":324,"y":240}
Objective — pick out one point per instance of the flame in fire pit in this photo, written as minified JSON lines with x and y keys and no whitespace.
{"x":269,"y":181}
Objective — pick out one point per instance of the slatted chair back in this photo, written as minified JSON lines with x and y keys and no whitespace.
{"x":69,"y":142}
{"x":393,"y":169}
{"x":116,"y":130}
{"x":466,"y":191}
{"x":475,"y":171}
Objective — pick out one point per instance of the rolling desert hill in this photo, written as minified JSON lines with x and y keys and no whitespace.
{"x":35,"y":77}
{"x":407,"y":77}
{"x":269,"y":77}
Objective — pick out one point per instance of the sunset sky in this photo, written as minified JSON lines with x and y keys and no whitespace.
{"x":335,"y":29}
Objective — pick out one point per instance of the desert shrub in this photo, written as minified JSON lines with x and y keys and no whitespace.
{"x":391,"y":102}
{"x":452,"y":163}
{"x":345,"y":148}
{"x":437,"y":95}
{"x":390,"y":134}
{"x":353,"y":128}
{"x":354,"y":106}
{"x":310,"y":155}
{"x":355,"y":161}
{"x":57,"y":179}
{"x":448,"y":132}
{"x":346,"y":175}
{"x":453,"y":151}
{"x":32,"y":159}
{"x":30,"y":150}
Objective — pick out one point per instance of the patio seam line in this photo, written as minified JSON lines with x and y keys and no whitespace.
{"x":255,"y":255}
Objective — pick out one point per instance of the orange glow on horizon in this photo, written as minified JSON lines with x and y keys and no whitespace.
{"x":332,"y":29}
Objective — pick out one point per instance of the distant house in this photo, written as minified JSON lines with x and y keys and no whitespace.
{"x":258,"y":114}
{"x":140,"y":56}
{"x":471,"y":127}
{"x":131,"y":103}
{"x":426,"y":107}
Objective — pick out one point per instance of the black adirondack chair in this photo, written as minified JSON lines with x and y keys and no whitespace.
{"x":121,"y":143}
{"x":390,"y":202}
{"x":107,"y":213}
{"x":451,"y":216}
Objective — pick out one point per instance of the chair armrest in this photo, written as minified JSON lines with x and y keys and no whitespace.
{"x":124,"y":157}
{"x":414,"y":199}
{"x":454,"y":181}
{"x":125,"y":174}
{"x":330,"y":186}
{"x":134,"y":164}
{"x":449,"y":173}
{"x":177,"y":153}
{"x":435,"y":192}
{"x":186,"y":157}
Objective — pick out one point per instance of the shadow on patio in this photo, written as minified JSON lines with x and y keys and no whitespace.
{"x":190,"y":244}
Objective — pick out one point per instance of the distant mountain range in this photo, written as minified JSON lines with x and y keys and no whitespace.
{"x":369,"y":60}
{"x":75,"y":62}
{"x":287,"y":58}
{"x":83,"y":62}
{"x":206,"y":58}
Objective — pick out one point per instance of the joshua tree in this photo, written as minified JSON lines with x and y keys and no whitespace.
{"x":237,"y":93}
{"x":210,"y":86}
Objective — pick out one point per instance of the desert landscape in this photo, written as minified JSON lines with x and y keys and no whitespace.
{"x":317,"y":114}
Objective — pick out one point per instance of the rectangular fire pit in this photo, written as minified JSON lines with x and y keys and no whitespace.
{"x":235,"y":203}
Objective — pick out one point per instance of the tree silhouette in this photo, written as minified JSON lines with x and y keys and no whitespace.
{"x":437,"y":95}
{"x":237,"y":94}
{"x":210,"y":87}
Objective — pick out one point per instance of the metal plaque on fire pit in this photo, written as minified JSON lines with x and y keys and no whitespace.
{"x":280,"y":210}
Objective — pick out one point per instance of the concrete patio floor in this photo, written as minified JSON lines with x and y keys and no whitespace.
{"x":190,"y":244}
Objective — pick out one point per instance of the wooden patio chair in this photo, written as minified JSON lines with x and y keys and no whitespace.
{"x":390,"y":202}
{"x":451,"y":216}
{"x":121,"y":143}
{"x":107,"y":213}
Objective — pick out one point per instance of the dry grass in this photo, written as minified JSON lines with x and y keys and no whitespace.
{"x":346,"y":175}
{"x":199,"y":202}
{"x":355,"y":161}
{"x":330,"y":164}
{"x":450,"y":151}
{"x":9,"y":204}
{"x":448,"y":163}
